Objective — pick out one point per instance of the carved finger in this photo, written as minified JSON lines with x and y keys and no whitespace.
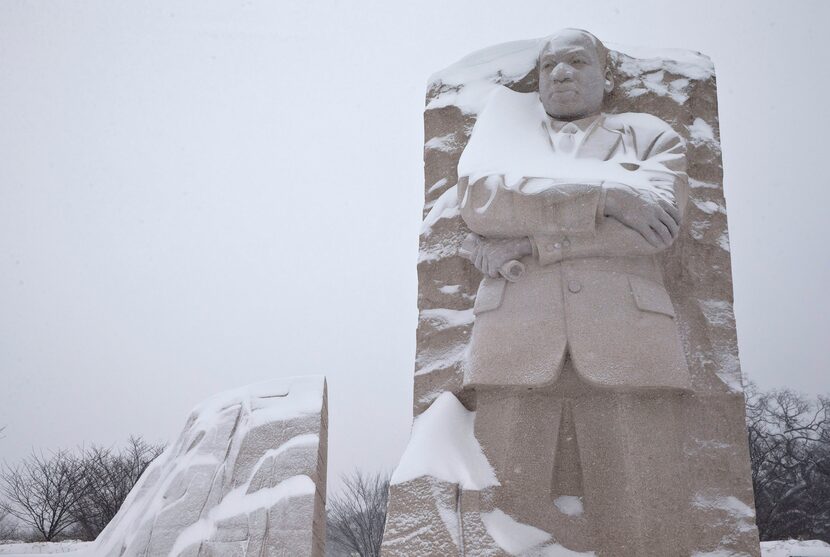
{"x":663,"y":231}
{"x":485,"y":265}
{"x":651,"y":237}
{"x":670,"y":223}
{"x":671,"y":210}
{"x":479,"y":262}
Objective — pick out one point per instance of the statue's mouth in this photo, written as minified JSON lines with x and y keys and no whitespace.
{"x":564,"y":91}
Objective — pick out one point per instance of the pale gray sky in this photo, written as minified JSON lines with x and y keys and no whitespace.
{"x":198,"y":195}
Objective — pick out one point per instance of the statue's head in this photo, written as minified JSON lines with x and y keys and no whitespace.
{"x":573,"y":74}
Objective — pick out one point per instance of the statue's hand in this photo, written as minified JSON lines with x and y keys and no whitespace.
{"x":657,"y":220}
{"x":491,"y":254}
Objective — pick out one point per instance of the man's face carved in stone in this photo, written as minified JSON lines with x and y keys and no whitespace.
{"x":573,"y":77}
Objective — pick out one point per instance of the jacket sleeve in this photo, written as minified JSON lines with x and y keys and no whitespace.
{"x":491,"y":209}
{"x":664,"y":159}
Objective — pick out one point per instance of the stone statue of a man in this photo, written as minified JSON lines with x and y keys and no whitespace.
{"x":576,"y":361}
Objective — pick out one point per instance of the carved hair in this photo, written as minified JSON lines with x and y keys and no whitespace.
{"x":602,"y":51}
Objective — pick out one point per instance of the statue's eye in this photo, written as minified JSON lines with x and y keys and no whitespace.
{"x":577,"y":62}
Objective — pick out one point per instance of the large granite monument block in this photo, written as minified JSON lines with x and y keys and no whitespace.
{"x":575,"y":295}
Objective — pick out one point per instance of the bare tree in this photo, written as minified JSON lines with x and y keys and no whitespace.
{"x":107,"y":478}
{"x":8,"y":529}
{"x":42,"y":491}
{"x":789,"y":442}
{"x":357,"y":515}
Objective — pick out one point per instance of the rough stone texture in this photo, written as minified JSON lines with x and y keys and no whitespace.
{"x":247,"y":476}
{"x":679,"y":87}
{"x":425,"y":514}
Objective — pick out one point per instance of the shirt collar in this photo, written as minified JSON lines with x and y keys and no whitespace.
{"x":583,"y":123}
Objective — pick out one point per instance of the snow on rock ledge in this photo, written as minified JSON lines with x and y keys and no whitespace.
{"x":246,"y":477}
{"x":444,"y":447}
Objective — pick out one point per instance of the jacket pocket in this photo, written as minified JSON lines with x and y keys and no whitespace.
{"x":650,"y":296}
{"x":490,"y":294}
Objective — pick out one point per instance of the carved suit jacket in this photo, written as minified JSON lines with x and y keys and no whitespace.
{"x":593,"y":288}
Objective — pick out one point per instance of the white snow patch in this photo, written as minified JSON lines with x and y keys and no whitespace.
{"x":718,"y":312}
{"x":788,"y":548}
{"x":728,"y":504}
{"x":239,"y":502}
{"x":439,"y":184}
{"x":509,"y":143}
{"x":75,"y":547}
{"x":431,"y":360}
{"x":511,"y":535}
{"x":448,"y":516}
{"x":702,"y":185}
{"x":708,"y":207}
{"x":449,"y":289}
{"x":569,"y":505}
{"x":521,"y":539}
{"x":468,"y":82}
{"x":443,"y":446}
{"x":723,"y":241}
{"x":306,"y":398}
{"x":699,"y":228}
{"x":444,"y":143}
{"x":434,"y":251}
{"x":729,"y":370}
{"x":676,"y":89}
{"x":688,"y":63}
{"x":719,"y":553}
{"x":556,"y":550}
{"x":701,"y":132}
{"x":446,"y":207}
{"x":443,"y":318}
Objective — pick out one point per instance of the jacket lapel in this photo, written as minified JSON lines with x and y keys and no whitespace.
{"x":599,"y":142}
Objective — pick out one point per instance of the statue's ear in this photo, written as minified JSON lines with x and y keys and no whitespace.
{"x":609,"y":81}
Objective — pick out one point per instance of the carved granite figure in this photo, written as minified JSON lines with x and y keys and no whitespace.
{"x":583,"y":346}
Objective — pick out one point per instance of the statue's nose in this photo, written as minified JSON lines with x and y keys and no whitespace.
{"x":562,"y":72}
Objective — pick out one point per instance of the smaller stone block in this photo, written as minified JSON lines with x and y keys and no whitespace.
{"x":246,"y":477}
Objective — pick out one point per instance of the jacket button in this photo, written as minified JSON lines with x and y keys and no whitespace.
{"x":574,"y":286}
{"x":566,"y":243}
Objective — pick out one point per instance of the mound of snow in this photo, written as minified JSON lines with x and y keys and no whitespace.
{"x":443,"y":446}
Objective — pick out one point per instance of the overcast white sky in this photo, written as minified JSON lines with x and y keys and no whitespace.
{"x":198,"y":195}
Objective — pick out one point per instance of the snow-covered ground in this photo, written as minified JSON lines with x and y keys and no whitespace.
{"x":792,"y":548}
{"x":789,"y":548}
{"x":42,"y":548}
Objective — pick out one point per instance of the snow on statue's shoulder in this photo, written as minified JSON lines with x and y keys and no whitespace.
{"x":244,"y":458}
{"x":638,"y":120}
{"x":511,"y":142}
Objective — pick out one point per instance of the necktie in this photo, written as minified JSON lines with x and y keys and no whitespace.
{"x":566,"y":138}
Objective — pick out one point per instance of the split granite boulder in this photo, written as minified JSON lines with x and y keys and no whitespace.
{"x":246,"y":477}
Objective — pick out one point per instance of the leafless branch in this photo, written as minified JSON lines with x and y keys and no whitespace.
{"x":789,"y":442}
{"x":357,"y":515}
